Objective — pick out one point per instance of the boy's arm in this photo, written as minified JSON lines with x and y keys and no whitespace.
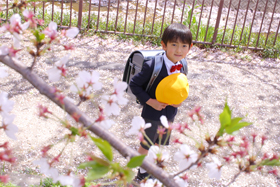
{"x":156,"y":104}
{"x":140,"y":80}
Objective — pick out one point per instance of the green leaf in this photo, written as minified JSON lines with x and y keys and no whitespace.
{"x":269,"y":162}
{"x":136,"y":161}
{"x":232,"y":128}
{"x":96,"y":171}
{"x":225,"y":119}
{"x":104,"y":147}
{"x":39,"y":36}
{"x":129,"y":175}
{"x":74,"y":131}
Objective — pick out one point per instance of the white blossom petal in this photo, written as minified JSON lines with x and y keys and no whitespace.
{"x":72,"y":32}
{"x":10,"y":129}
{"x":164,"y":121}
{"x":4,"y":50}
{"x":3,"y":71}
{"x":54,"y":74}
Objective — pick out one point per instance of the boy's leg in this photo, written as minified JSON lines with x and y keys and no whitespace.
{"x":143,"y":149}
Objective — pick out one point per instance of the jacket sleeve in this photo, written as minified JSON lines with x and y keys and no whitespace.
{"x":140,"y":81}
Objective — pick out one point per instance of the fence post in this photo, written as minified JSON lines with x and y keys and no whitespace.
{"x":80,"y":14}
{"x":218,"y":21}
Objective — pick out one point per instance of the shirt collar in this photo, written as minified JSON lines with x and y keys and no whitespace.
{"x":169,"y":64}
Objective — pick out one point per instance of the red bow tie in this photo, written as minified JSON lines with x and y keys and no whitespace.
{"x":176,"y":67}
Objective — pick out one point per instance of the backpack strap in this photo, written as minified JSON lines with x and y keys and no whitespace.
{"x":157,"y":68}
{"x":185,"y":66}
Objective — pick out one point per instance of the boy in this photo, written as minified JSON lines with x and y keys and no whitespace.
{"x":176,"y":41}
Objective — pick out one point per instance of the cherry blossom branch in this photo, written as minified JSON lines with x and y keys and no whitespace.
{"x":234,"y":178}
{"x":71,"y":109}
{"x":203,"y":154}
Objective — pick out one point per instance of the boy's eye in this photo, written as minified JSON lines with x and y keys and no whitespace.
{"x":185,"y":46}
{"x":173,"y":44}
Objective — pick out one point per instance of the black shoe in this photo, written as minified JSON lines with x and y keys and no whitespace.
{"x":140,"y":176}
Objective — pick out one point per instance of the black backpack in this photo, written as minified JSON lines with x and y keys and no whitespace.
{"x":135,"y":62}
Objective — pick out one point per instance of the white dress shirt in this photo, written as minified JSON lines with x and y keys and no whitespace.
{"x":169,"y":64}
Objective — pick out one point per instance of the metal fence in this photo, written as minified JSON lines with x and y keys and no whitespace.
{"x":251,"y":24}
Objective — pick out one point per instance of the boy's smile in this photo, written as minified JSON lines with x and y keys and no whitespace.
{"x":176,"y":50}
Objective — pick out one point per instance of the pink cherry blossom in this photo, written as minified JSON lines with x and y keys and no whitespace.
{"x":181,"y":181}
{"x":51,"y":31}
{"x":151,"y":183}
{"x":8,"y":126}
{"x":4,"y":178}
{"x":110,"y":105}
{"x":137,"y":126}
{"x":185,"y":157}
{"x":156,"y":155}
{"x":3,"y":71}
{"x":28,"y":14}
{"x":69,"y":180}
{"x":120,"y":87}
{"x":214,"y":168}
{"x":59,"y":69}
{"x":46,"y":169}
{"x":86,"y":83}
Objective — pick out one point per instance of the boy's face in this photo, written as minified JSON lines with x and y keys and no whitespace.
{"x":176,"y":50}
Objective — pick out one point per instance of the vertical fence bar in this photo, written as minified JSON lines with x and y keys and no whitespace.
{"x":135,"y":16}
{"x":52,"y":9}
{"x":183,"y":11}
{"x":61,"y":13}
{"x":145,"y":16}
{"x":208,"y":21}
{"x":261,"y":23}
{"x":218,"y":21}
{"x":126,"y":16}
{"x":116,"y":22}
{"x":199,"y":20}
{"x":97,"y":25}
{"x":108,"y":10}
{"x":7,"y":12}
{"x":226,"y":22}
{"x":71,"y":3}
{"x":154,"y":17}
{"x":268,"y":31}
{"x":80,"y":14}
{"x":276,"y":33}
{"x":163,"y":17}
{"x":89,"y":10}
{"x":191,"y":13}
{"x":244,"y":21}
{"x":235,"y":22}
{"x":252,"y":23}
{"x":43,"y":10}
{"x":34,"y":7}
{"x":173,"y":12}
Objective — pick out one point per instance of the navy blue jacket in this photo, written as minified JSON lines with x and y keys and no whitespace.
{"x":138,"y":84}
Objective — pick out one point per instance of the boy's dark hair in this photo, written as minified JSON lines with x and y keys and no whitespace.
{"x":177,"y":31}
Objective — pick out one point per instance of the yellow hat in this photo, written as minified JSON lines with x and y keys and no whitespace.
{"x":173,"y":89}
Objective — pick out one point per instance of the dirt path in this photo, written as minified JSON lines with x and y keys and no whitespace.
{"x":251,"y":88}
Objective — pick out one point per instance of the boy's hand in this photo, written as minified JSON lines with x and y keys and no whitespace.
{"x":156,"y":104}
{"x":176,"y":106}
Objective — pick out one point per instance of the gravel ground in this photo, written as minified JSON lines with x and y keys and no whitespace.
{"x":250,"y":84}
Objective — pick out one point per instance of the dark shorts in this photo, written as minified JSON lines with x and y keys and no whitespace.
{"x":153,"y":135}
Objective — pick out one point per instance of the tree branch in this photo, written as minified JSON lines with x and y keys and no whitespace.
{"x":70,"y":108}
